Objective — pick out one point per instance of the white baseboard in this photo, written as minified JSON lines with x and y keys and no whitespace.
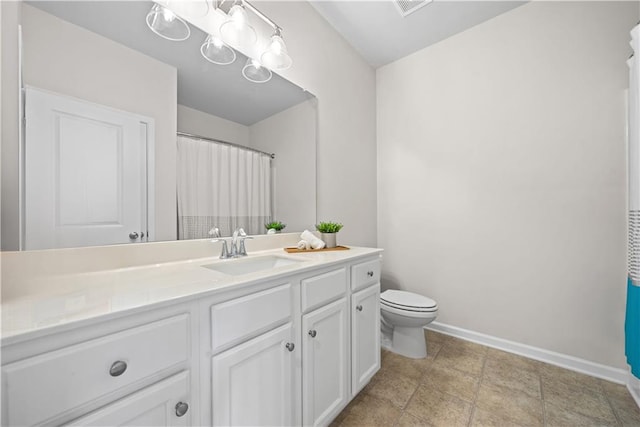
{"x":572,"y":363}
{"x":633,"y":385}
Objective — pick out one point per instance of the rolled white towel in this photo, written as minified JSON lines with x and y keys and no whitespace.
{"x":304,"y":245}
{"x":315,"y":242}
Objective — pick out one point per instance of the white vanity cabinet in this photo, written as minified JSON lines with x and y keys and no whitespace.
{"x":365,"y":323}
{"x":325,"y":347}
{"x":289,"y":348}
{"x":252,"y":383}
{"x":85,"y":374}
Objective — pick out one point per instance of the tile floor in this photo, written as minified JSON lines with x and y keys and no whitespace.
{"x":465,"y":384}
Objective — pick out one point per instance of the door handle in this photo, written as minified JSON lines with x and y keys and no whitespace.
{"x":134,"y":235}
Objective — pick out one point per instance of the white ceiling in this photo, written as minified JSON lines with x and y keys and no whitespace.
{"x":377,"y":30}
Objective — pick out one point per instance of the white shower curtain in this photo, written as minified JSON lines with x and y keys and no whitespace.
{"x":221,"y":185}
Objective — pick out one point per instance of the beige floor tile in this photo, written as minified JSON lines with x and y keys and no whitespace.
{"x":563,"y":417}
{"x":457,"y":343}
{"x":513,"y":405}
{"x":513,"y":360}
{"x":461,"y":359}
{"x":408,"y":420}
{"x":433,"y":348}
{"x":439,"y":409}
{"x":483,"y":418}
{"x":552,"y":373}
{"x":395,"y":388}
{"x":507,"y":375}
{"x":435,"y":337}
{"x":577,"y":397}
{"x":615,"y":390}
{"x":371,"y":411}
{"x":412,"y":368}
{"x":627,"y":410}
{"x":451,"y":381}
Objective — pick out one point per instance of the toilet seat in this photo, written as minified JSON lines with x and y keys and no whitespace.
{"x":407,"y":301}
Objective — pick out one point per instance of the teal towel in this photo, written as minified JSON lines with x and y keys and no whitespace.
{"x":632,"y":328}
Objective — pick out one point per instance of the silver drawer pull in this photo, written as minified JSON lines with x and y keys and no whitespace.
{"x":181,"y":408}
{"x":359,"y":307}
{"x":118,"y":368}
{"x":312,"y":333}
{"x":290,"y":346}
{"x":134,"y":235}
{"x":370,"y":273}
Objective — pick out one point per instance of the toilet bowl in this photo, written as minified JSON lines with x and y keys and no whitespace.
{"x":404,"y":315}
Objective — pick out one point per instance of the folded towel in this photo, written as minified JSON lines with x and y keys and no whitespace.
{"x":312,"y":239}
{"x":304,"y":245}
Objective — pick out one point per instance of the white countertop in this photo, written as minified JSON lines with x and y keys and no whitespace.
{"x":63,"y":299}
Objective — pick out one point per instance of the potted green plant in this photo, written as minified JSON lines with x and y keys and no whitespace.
{"x":275,"y":225}
{"x":328,"y":232}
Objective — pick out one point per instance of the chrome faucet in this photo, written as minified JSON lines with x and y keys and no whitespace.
{"x":215,"y":233}
{"x":237,"y":243}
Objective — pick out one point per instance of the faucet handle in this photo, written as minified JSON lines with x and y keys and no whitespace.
{"x":225,"y":250}
{"x":214,"y":232}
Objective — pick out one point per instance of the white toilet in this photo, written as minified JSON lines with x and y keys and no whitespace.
{"x":404,"y":314}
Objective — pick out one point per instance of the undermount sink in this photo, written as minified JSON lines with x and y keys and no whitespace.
{"x":238,"y":267}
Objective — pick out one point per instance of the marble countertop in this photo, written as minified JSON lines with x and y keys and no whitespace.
{"x":65,"y":299}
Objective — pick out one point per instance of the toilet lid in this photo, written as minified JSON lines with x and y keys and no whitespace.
{"x":407,"y":300}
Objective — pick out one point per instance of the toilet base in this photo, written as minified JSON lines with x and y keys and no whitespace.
{"x":409,"y":342}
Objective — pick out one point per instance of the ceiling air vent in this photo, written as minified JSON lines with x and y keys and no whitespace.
{"x":407,"y":7}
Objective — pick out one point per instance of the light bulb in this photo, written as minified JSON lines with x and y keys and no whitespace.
{"x":168,"y":15}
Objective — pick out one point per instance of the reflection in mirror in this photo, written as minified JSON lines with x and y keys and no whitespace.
{"x":105,"y":102}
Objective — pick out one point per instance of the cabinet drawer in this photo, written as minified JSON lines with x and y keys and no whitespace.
{"x":156,"y":405}
{"x":365,"y":274}
{"x":44,"y":386}
{"x":241,"y":318}
{"x":323,"y":288}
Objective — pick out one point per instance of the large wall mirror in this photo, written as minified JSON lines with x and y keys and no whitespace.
{"x":97,"y":81}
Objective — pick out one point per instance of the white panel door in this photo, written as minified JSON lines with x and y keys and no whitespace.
{"x":365,"y":336}
{"x":85,"y":173}
{"x":325,"y":363}
{"x":252,"y":383}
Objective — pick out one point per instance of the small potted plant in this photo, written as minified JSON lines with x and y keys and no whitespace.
{"x":328,"y":232}
{"x":277,"y":226}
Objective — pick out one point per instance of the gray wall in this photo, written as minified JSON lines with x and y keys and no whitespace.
{"x":10,"y":89}
{"x":291,"y":135}
{"x":325,"y":65}
{"x":501,"y":169}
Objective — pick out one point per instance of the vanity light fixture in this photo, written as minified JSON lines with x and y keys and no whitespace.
{"x":255,"y":72}
{"x":276,"y":56}
{"x":236,"y":30}
{"x":167,"y":24}
{"x":214,"y":50}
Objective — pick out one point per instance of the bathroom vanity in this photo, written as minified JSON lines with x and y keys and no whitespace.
{"x":269,"y":339}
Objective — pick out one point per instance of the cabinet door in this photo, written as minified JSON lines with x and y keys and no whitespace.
{"x":325,"y":362}
{"x":252,"y":383}
{"x":163,"y":404}
{"x":365,"y":336}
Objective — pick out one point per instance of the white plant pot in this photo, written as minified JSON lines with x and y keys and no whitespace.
{"x":329,"y":239}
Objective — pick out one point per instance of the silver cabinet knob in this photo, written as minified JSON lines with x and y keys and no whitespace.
{"x":359,"y":307}
{"x":118,"y":368}
{"x":181,"y":408}
{"x":290,"y":346}
{"x":312,"y":333}
{"x":134,"y":235}
{"x":370,"y":273}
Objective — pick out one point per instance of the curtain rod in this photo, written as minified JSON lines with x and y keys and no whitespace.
{"x":219,"y":141}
